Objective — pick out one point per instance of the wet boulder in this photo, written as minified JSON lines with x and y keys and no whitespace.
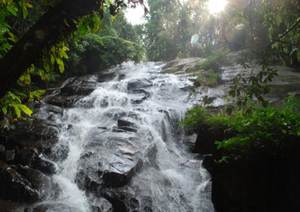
{"x":138,"y":84}
{"x":111,"y":159}
{"x":71,"y":91}
{"x":44,"y":165}
{"x":58,"y":152}
{"x":22,"y":184}
{"x":32,"y":158}
{"x":127,"y":199}
{"x":127,"y":125}
{"x":52,"y":207}
{"x":139,"y":95}
{"x":35,"y":134}
{"x":101,"y":205}
{"x":79,"y":86}
{"x":64,"y":101}
{"x":10,"y":155}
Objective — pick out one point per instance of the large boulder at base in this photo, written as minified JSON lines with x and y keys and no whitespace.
{"x":22,"y":184}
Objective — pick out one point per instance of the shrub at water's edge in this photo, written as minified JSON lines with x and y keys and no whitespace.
{"x":260,"y":129}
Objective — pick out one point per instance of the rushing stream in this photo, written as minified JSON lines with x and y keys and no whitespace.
{"x":126,"y":148}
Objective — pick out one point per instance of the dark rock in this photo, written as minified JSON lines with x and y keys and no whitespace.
{"x":10,"y":155}
{"x":22,"y":184}
{"x":32,"y":158}
{"x":106,"y":76}
{"x":111,"y":159}
{"x":121,"y":174}
{"x":64,"y":101}
{"x":138,"y":84}
{"x":2,"y":148}
{"x":53,"y":207}
{"x":36,"y":134}
{"x":78,"y":87}
{"x":101,"y":205}
{"x":71,"y":91}
{"x":262,"y":181}
{"x":117,"y":200}
{"x":126,"y":199}
{"x":8,"y":206}
{"x":127,"y":125}
{"x":44,"y":165}
{"x":205,"y":143}
{"x":26,"y":156}
{"x":59,"y":152}
{"x":139,"y":96}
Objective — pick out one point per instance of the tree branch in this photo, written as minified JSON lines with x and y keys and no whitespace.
{"x":57,"y":23}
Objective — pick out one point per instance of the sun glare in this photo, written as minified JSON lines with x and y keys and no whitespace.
{"x":216,"y":6}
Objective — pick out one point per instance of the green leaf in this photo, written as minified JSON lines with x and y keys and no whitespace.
{"x":26,"y":110}
{"x":61,"y":65}
{"x":17,"y":110}
{"x":35,"y":95}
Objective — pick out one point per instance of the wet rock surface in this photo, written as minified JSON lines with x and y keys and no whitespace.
{"x":52,"y":208}
{"x":111,"y":159}
{"x":23,"y":184}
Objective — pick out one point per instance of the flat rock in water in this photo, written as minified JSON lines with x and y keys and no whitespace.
{"x":111,"y":159}
{"x":138,"y":84}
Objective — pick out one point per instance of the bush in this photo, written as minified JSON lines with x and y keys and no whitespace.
{"x":208,"y":78}
{"x":214,"y":61}
{"x":259,"y":129}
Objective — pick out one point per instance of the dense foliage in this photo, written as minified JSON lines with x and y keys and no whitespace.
{"x":190,"y":30}
{"x":94,"y":52}
{"x":259,"y":129}
{"x":109,"y":36}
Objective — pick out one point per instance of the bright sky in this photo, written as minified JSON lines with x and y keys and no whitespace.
{"x":216,"y":6}
{"x":136,"y":15}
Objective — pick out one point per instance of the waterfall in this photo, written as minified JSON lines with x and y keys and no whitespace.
{"x":127,"y":149}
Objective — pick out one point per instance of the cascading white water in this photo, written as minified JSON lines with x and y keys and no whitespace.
{"x":172,"y":178}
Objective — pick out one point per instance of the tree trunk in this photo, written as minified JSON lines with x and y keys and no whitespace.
{"x":53,"y":26}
